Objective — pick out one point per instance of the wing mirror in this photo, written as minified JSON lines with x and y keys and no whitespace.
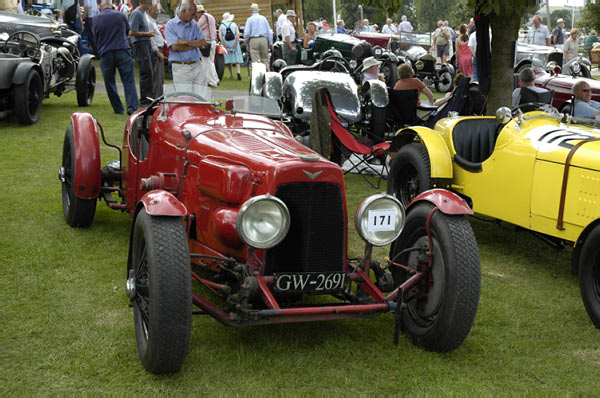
{"x":504,"y":115}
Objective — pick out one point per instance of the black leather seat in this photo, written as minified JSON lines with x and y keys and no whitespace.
{"x":402,"y":107}
{"x":474,"y":141}
{"x":534,"y":95}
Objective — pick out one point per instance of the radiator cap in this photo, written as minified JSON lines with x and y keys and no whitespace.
{"x":310,"y":157}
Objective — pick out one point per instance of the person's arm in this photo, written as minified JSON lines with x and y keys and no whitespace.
{"x":237,"y":36}
{"x":566,"y":52}
{"x":135,"y":27}
{"x":428,"y":94}
{"x":306,"y":40}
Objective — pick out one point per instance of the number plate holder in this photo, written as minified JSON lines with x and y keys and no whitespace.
{"x":310,"y":282}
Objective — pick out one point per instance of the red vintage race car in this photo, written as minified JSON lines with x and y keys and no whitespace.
{"x":563,"y":87}
{"x":231,"y":214}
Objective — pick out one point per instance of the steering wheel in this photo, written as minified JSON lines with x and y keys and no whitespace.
{"x":25,"y":43}
{"x":147,"y":113}
{"x":337,"y":65}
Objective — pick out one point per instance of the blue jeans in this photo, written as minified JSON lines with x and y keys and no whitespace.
{"x":121,"y":60}
{"x":475,"y":69}
{"x":75,"y":25}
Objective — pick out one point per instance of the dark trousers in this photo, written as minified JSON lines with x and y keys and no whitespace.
{"x":142,"y":52}
{"x":158,"y":73}
{"x":109,"y":63}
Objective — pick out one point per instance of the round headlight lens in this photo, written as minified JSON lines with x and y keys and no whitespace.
{"x":353,"y":63}
{"x":263,"y":221}
{"x":379,"y":219}
{"x":419,"y":65}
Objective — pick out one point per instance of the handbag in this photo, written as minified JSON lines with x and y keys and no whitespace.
{"x":205,"y":50}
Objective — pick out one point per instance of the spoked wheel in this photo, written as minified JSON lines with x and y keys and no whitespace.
{"x":444,"y":83}
{"x":159,"y":286}
{"x":28,"y":98}
{"x":78,"y":212}
{"x":443,"y":309}
{"x":410,"y":173}
{"x":86,"y":85}
{"x":589,"y":275}
{"x":390,"y":72}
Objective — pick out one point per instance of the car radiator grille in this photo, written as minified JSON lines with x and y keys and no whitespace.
{"x":315,"y":241}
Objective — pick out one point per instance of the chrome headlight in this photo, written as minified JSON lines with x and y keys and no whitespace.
{"x":263,"y":221}
{"x":575,"y":68}
{"x":419,"y":65}
{"x":353,"y":63}
{"x":379,"y":219}
{"x":551,"y":65}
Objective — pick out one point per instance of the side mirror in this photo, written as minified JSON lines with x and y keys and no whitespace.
{"x":504,"y":115}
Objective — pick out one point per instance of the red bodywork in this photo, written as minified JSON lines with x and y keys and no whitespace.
{"x":376,"y":39}
{"x":87,"y":160}
{"x":201,"y":164}
{"x":563,"y":86}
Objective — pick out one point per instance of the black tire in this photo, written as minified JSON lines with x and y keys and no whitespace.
{"x":78,"y":212}
{"x":441,"y":317}
{"x":86,"y":85}
{"x":220,"y":65}
{"x":410,"y":173}
{"x":162,"y":298}
{"x":585,"y":72}
{"x":444,"y":83}
{"x":390,"y":72}
{"x":28,"y":98}
{"x":589,"y":275}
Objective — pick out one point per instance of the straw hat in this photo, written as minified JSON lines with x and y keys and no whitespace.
{"x":200,"y":8}
{"x":290,"y":13}
{"x":559,"y":20}
{"x":254,"y":7}
{"x":227,"y":17}
{"x":367,"y":63}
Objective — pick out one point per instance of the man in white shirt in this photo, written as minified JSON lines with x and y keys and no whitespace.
{"x":281,"y":19}
{"x":405,"y":26}
{"x":539,"y":33}
{"x":158,"y":58}
{"x":288,"y":34}
{"x":125,"y":10}
{"x":389,"y":27}
{"x":366,"y":27}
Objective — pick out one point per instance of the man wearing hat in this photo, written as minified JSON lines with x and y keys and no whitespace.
{"x":288,"y":34}
{"x":370,"y":70}
{"x":206,"y":22}
{"x":258,"y":35}
{"x":558,"y":34}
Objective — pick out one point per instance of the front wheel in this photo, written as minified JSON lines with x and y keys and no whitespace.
{"x":86,"y":84}
{"x":441,"y":314}
{"x":220,"y":65}
{"x":159,"y":286}
{"x":28,"y":98}
{"x":444,"y":83}
{"x":78,"y":212}
{"x":589,"y":275}
{"x":410,"y":173}
{"x":390,"y":73}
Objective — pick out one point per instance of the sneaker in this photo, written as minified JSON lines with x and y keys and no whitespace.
{"x":130,"y":111}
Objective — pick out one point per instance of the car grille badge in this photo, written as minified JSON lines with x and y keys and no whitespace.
{"x":312,"y":176}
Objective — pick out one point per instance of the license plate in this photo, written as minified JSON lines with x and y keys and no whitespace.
{"x":310,"y":282}
{"x":438,"y":67}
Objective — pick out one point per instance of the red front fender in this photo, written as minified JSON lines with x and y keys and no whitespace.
{"x":162,"y":203}
{"x":87,"y":177}
{"x":448,"y":202}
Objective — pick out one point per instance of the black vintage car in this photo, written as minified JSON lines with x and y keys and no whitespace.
{"x":352,"y":49}
{"x":39,"y":57}
{"x":427,"y":69}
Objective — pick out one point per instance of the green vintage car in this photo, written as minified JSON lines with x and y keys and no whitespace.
{"x":352,"y":49}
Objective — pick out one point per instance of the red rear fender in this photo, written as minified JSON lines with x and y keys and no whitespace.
{"x":448,"y":202}
{"x":162,"y":203}
{"x":87,"y":156}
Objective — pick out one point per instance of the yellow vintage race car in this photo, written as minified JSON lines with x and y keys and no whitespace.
{"x":539,"y":170}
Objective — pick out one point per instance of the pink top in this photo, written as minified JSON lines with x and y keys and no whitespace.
{"x":206,"y":22}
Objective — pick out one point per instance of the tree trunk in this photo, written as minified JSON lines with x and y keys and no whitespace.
{"x":505,"y":31}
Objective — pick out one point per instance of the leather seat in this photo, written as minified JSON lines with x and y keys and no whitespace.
{"x":474,"y":141}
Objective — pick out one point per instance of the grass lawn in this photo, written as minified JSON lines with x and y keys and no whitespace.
{"x":66,"y":326}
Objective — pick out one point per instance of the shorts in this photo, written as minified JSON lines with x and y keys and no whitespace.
{"x":442,"y":49}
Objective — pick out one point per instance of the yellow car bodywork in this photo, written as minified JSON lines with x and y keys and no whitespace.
{"x":521,"y":181}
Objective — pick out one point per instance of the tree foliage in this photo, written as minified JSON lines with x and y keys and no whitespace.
{"x":590,"y":16}
{"x":315,"y":9}
{"x":351,"y":12}
{"x":428,"y":13}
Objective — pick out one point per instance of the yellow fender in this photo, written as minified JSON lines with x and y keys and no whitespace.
{"x":439,"y":155}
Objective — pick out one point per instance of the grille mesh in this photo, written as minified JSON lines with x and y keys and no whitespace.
{"x":315,"y":242}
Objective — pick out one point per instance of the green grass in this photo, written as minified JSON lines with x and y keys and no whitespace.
{"x":66,"y":326}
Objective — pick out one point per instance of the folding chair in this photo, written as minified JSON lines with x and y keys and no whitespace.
{"x":349,"y":145}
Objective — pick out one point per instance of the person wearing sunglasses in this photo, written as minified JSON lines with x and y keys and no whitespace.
{"x":583,"y":105}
